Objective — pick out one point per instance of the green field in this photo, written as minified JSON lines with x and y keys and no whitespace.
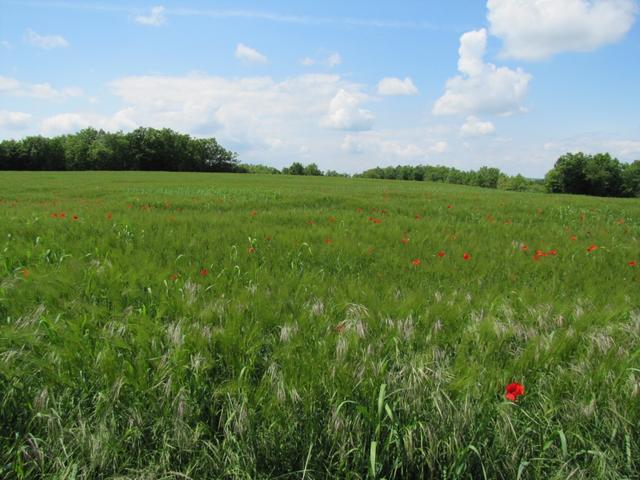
{"x":247,"y":326}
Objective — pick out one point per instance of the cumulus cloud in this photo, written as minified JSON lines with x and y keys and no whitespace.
{"x":155,"y":18}
{"x":307,"y":62}
{"x":14,"y":120}
{"x":44,"y":91}
{"x":249,"y":55}
{"x":345,"y":113}
{"x":334,"y":60}
{"x":46,"y":42}
{"x":537,"y":29}
{"x":73,"y":121}
{"x":482,"y":88}
{"x":393,"y":146}
{"x":474,"y":127}
{"x":396,"y":86}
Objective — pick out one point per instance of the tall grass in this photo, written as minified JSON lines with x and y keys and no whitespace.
{"x":228,"y":326}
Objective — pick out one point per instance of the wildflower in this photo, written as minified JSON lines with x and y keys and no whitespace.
{"x":62,"y":215}
{"x":633,"y":263}
{"x":466,"y":256}
{"x":54,"y":215}
{"x":449,"y":206}
{"x":416,"y":262}
{"x":173,"y":277}
{"x":513,"y":391}
{"x":109,"y":216}
{"x":251,"y":250}
{"x":441,"y":253}
{"x":311,"y":222}
{"x":328,"y":241}
{"x":405,"y":240}
{"x":332,"y":219}
{"x":340,"y":328}
{"x":592,"y":248}
{"x":204,"y":272}
{"x":75,"y":217}
{"x":620,"y":222}
{"x":524,"y":248}
{"x":418,"y":216}
{"x":26,"y":272}
{"x":538,"y":255}
{"x":253,"y":213}
{"x":376,"y":220}
{"x":573,"y":238}
{"x":552,"y":252}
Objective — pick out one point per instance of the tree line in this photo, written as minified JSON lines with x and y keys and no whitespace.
{"x":167,"y":150}
{"x":141,"y":149}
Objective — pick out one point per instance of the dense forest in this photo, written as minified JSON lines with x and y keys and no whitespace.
{"x":167,"y":150}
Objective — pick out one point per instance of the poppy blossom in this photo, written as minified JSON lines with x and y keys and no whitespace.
{"x":26,"y":272}
{"x":253,"y":213}
{"x":54,"y":215}
{"x":109,"y":216}
{"x":173,"y":277}
{"x":449,"y":206}
{"x":75,"y":217}
{"x":466,"y":256}
{"x":620,"y":222}
{"x":633,"y":263}
{"x":441,"y":253}
{"x":573,"y":238}
{"x":383,"y":211}
{"x":513,"y":391}
{"x":418,"y":216}
{"x":592,"y":248}
{"x":405,"y":240}
{"x":376,"y":220}
{"x":251,"y":250}
{"x":328,"y":241}
{"x":524,"y":248}
{"x":552,"y":252}
{"x":62,"y":214}
{"x":204,"y":272}
{"x":416,"y":262}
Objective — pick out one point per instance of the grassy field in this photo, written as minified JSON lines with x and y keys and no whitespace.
{"x":157,"y":325}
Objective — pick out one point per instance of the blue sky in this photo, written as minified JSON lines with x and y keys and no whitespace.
{"x":348,"y":85}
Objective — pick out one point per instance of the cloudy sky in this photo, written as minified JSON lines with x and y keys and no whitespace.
{"x":348,"y":85}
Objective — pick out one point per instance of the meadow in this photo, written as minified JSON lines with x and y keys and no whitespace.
{"x":175,"y":325}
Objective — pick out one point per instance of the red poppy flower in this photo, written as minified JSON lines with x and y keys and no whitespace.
{"x":449,"y":206}
{"x":376,"y":220}
{"x":26,"y":272}
{"x":311,"y":222}
{"x":441,"y":253}
{"x":466,"y":256}
{"x":328,"y":241}
{"x":418,"y":216}
{"x":383,"y":211}
{"x":573,"y":238}
{"x":405,"y":240}
{"x":204,"y":272}
{"x":416,"y":262}
{"x":109,"y":216}
{"x":552,"y":252}
{"x":251,"y":250}
{"x":253,"y":213}
{"x":513,"y":391}
{"x":620,"y":222}
{"x":75,"y":217}
{"x":592,"y":248}
{"x":54,"y":215}
{"x":524,"y":248}
{"x":173,"y":277}
{"x":62,"y":215}
{"x":633,"y":263}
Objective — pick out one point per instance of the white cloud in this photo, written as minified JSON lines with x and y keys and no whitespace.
{"x":46,"y":42}
{"x":307,"y":62}
{"x":474,"y":127}
{"x":345,"y":113}
{"x":481,"y":87}
{"x":388,"y":147}
{"x":537,"y":29}
{"x":439,"y":147}
{"x":44,"y":91}
{"x":155,"y":18}
{"x":249,"y":55}
{"x":396,"y":86}
{"x":14,"y":120}
{"x":72,"y":122}
{"x":334,"y":60}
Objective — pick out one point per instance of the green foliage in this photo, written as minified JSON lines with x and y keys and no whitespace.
{"x":203,"y":326}
{"x":599,"y":175}
{"x":141,"y":149}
